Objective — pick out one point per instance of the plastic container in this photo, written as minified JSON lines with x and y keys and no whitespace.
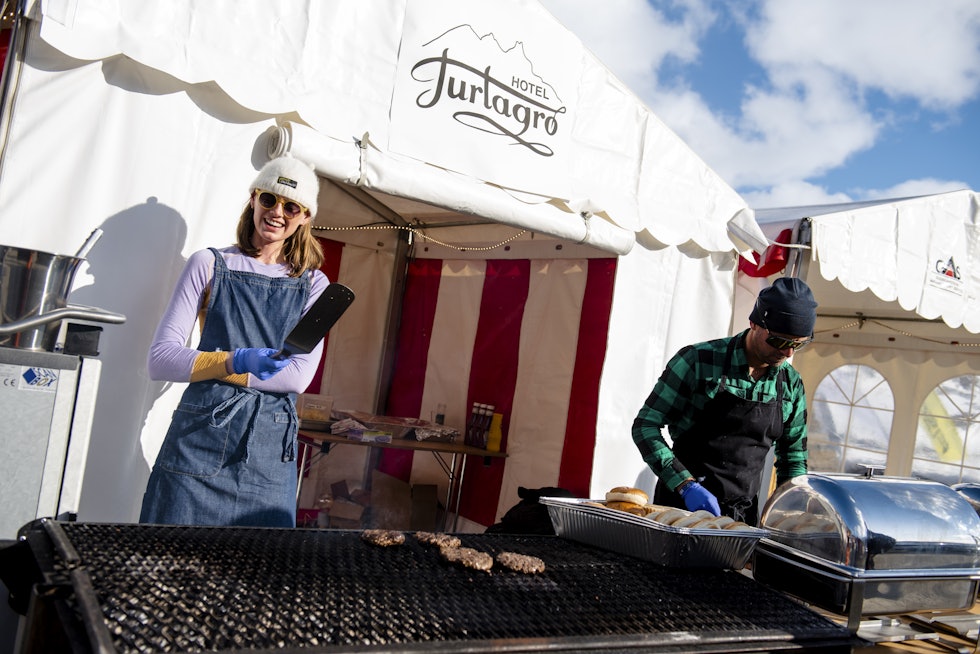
{"x":495,"y":435}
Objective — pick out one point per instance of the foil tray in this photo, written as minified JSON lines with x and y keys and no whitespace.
{"x":625,"y":533}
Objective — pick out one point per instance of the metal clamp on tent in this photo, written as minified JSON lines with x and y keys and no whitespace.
{"x":586,"y":216}
{"x":339,"y":160}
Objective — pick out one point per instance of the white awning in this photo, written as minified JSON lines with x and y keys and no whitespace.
{"x":464,"y":107}
{"x":921,"y":252}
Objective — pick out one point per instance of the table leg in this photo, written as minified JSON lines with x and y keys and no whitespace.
{"x":459,"y":487}
{"x":305,"y":449}
{"x":451,"y":475}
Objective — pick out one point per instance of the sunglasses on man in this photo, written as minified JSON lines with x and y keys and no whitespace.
{"x":783,"y":343}
{"x":290,"y":208}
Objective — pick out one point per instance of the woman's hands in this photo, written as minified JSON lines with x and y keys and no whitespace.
{"x":258,"y":361}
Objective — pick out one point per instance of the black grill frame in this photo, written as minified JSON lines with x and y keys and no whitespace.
{"x":138,"y":588}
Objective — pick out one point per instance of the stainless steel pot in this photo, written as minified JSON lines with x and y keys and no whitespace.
{"x":34,"y":289}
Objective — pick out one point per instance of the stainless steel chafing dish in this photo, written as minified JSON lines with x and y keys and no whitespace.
{"x":863,"y":545}
{"x":971,"y":491}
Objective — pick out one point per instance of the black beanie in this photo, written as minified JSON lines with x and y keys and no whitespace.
{"x":787,"y":307}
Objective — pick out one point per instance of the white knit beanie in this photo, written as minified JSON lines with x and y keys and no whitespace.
{"x":290,"y":178}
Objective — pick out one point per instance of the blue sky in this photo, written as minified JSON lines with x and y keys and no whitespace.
{"x":797,"y":102}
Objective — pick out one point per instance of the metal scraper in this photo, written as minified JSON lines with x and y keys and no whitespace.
{"x":315,"y":324}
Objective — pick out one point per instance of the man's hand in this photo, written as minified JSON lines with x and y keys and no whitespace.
{"x":698,"y":498}
{"x":257,"y":360}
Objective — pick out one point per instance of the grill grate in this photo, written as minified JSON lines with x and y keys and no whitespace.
{"x":216,"y":589}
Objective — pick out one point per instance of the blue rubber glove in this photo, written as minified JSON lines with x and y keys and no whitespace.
{"x":698,"y":498}
{"x":258,"y":361}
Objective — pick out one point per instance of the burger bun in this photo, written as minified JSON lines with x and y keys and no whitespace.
{"x":629,"y":507}
{"x":627,"y":494}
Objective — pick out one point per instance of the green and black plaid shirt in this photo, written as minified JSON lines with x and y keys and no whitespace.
{"x":694,"y":376}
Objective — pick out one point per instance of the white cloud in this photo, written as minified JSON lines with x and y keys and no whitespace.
{"x":827,"y":67}
{"x":912,"y":188}
{"x":824,"y":60}
{"x":927,"y":51}
{"x":788,"y":135}
{"x":631,"y":37}
{"x":800,"y":193}
{"x":793,"y":194}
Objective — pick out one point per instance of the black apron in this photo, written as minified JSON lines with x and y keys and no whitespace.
{"x":726,"y":449}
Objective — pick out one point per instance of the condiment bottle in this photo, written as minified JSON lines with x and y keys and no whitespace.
{"x":496,"y":433}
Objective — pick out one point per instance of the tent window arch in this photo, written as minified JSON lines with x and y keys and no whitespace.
{"x":947,"y":439}
{"x":850,"y":420}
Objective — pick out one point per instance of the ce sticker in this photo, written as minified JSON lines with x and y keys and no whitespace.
{"x":7,"y":381}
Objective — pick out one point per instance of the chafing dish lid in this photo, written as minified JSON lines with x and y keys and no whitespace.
{"x":971,"y":492}
{"x":874,"y":523}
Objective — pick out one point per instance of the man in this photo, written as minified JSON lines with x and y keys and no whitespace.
{"x":725,"y":403}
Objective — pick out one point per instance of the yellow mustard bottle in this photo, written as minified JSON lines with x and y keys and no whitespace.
{"x":496,"y":432}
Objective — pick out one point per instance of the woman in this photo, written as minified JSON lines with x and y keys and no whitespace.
{"x":229,"y":455}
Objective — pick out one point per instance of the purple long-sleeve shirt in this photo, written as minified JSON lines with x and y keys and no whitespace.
{"x":170,"y":359}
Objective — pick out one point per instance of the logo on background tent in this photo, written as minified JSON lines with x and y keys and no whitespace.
{"x":500,"y":94}
{"x":948,"y":269}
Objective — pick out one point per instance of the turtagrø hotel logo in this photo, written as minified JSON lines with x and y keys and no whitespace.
{"x":477,"y":94}
{"x":497,"y":92}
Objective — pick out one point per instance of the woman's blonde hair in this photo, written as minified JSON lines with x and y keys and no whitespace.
{"x":302,"y":250}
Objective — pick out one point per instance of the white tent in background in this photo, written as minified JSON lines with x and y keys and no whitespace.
{"x":892,"y":370}
{"x":465,"y":135}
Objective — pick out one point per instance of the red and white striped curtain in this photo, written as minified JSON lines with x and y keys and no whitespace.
{"x":528,"y":337}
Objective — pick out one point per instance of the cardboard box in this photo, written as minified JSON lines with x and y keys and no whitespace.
{"x":345,"y":510}
{"x":311,"y":406}
{"x":340,"y":489}
{"x":391,"y":502}
{"x":362,"y":497}
{"x":340,"y":523}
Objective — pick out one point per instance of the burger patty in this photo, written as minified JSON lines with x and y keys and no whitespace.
{"x":439,"y":540}
{"x":382,"y":537}
{"x":521,"y":562}
{"x":467,"y":557}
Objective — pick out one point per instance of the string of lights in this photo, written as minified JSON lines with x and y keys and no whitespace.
{"x":415,"y":232}
{"x":860,"y":322}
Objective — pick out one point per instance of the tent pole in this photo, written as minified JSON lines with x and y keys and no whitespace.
{"x":16,"y":49}
{"x":799,"y":265}
{"x":398,"y":277}
{"x":393,"y":322}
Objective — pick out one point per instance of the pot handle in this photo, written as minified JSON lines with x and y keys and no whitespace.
{"x":71,"y":311}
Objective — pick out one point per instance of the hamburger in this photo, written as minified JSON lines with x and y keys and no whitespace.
{"x":624,"y":498}
{"x":627,"y":494}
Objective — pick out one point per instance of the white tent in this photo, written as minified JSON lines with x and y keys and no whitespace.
{"x":899,"y":293}
{"x":463,"y":134}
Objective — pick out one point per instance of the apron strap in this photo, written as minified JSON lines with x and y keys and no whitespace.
{"x":224,"y":412}
{"x":289,"y":440}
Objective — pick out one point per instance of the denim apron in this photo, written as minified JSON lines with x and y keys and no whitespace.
{"x":229,"y":455}
{"x":726,"y":449}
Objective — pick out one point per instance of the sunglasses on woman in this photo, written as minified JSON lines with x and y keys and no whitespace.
{"x":290,"y":208}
